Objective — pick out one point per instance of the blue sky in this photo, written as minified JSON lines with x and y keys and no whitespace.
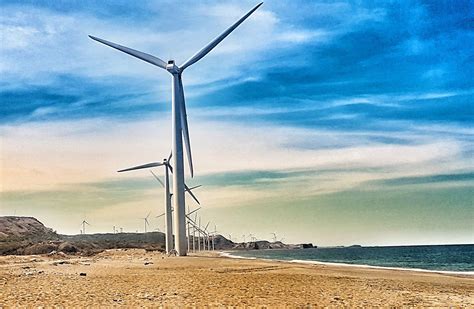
{"x":309,"y":117}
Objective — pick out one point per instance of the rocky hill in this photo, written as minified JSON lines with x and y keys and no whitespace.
{"x":24,"y":227}
{"x":20,"y":235}
{"x":27,"y":235}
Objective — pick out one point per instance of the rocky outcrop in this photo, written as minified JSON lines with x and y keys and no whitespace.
{"x":12,"y":227}
{"x":222,"y":243}
{"x":260,"y":244}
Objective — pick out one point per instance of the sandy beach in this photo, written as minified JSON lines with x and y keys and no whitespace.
{"x":136,"y":277}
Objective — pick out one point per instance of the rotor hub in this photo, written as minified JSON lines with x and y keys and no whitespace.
{"x":172,"y":67}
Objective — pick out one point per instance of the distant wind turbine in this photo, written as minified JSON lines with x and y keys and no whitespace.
{"x":274,"y":237}
{"x":213,"y":236}
{"x":179,"y":121}
{"x":84,"y":222}
{"x":145,"y":220}
{"x":252,"y":237}
{"x":206,"y":236}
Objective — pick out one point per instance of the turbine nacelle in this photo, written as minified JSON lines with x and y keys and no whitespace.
{"x":172,"y":67}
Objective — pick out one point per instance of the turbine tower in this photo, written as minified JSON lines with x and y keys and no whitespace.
{"x":179,"y":125}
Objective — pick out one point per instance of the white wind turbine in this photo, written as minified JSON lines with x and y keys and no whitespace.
{"x":252,"y":237}
{"x":179,"y":121}
{"x":213,"y":236}
{"x":84,"y":222}
{"x":199,"y":234}
{"x":145,"y":221}
{"x":206,"y":236}
{"x":274,"y":236}
{"x":194,"y":232}
{"x":166,"y":185}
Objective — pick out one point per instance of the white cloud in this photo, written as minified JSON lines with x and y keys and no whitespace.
{"x":40,"y":155}
{"x":38,"y":44}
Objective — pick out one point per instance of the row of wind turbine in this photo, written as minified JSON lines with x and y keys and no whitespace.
{"x":179,"y":124}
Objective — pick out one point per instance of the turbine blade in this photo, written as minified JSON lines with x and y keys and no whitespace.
{"x":160,"y":215}
{"x":204,"y":51}
{"x":169,"y":158}
{"x":147,"y":216}
{"x":148,"y":165}
{"x":195,"y":187}
{"x":184,"y":126}
{"x":192,"y":222}
{"x":157,"y":178}
{"x":189,"y":213}
{"x":205,"y":229}
{"x":168,"y":165}
{"x":186,"y":188}
{"x":135,"y":53}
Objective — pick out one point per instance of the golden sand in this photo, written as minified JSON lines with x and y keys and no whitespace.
{"x":120,"y":277}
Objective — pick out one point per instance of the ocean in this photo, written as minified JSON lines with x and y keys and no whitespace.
{"x":445,"y":258}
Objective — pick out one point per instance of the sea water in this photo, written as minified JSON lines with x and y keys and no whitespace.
{"x":446,"y":258}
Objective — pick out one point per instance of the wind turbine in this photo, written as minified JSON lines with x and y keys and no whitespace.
{"x":190,"y":222}
{"x":194,"y":233}
{"x":84,"y":222}
{"x":274,"y":236}
{"x":166,"y":186}
{"x":193,"y":223}
{"x":146,"y":220}
{"x":213,"y":236}
{"x":206,"y":236}
{"x":199,"y":234}
{"x":252,"y":237}
{"x":179,"y":124}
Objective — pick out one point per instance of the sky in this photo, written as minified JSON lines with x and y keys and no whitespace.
{"x":330,"y":122}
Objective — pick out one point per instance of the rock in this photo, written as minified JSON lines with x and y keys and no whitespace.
{"x":83,"y":274}
{"x":147,"y":263}
{"x":67,"y":247}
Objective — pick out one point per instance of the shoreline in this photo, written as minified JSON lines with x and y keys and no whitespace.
{"x":228,"y":254}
